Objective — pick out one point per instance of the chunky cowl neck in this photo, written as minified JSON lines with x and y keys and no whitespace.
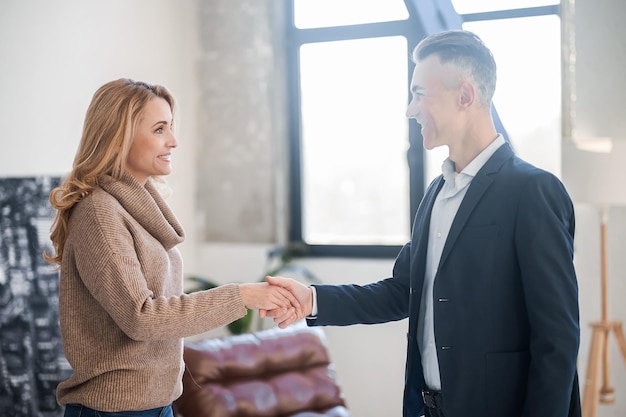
{"x":146,"y":205}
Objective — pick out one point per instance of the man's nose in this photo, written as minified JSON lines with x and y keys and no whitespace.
{"x":411,"y":110}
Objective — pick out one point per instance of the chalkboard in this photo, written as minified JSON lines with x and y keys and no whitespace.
{"x":31,"y":356}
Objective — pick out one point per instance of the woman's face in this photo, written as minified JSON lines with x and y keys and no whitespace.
{"x":152,"y":145}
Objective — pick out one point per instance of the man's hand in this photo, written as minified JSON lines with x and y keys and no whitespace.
{"x":304,"y":295}
{"x":263,"y":296}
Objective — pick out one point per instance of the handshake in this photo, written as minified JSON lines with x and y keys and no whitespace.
{"x":285,"y":300}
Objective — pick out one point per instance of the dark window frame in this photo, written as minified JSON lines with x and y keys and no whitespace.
{"x":412,"y":30}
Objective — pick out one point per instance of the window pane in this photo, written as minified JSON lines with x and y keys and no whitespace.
{"x":326,"y":13}
{"x":477,"y":6}
{"x":528,"y":93}
{"x":354,"y":142}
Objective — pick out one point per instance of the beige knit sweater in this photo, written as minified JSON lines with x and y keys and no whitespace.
{"x":122,"y":308}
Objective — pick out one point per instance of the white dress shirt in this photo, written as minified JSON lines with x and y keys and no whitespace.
{"x":444,"y":210}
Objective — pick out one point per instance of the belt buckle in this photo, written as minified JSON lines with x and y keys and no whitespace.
{"x":432,"y":399}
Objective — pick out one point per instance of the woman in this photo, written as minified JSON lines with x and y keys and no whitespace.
{"x":122,"y":309}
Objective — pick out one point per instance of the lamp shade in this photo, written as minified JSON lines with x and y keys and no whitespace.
{"x":596,"y":178}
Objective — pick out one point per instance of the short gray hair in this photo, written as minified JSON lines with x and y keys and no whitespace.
{"x":468,"y":53}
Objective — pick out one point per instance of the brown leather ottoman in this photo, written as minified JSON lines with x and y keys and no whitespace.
{"x":270,"y":373}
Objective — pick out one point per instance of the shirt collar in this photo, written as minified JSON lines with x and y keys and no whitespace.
{"x":477,"y":163}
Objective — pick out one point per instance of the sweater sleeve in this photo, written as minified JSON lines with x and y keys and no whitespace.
{"x":116,"y":263}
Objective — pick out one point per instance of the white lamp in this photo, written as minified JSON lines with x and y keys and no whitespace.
{"x":597,"y":178}
{"x":594,"y":144}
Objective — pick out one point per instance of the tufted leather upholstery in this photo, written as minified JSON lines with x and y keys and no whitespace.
{"x":270,"y":373}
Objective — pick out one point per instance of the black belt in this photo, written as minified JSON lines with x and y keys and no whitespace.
{"x":432,"y":399}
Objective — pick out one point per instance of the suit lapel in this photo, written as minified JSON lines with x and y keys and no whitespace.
{"x":475,"y":192}
{"x":421,"y":226}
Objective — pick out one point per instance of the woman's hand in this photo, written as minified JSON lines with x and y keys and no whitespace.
{"x":262,"y":296}
{"x":304,"y":295}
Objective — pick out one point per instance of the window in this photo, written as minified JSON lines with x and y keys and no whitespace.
{"x":354,"y":141}
{"x":350,"y":68}
{"x":328,"y":13}
{"x":465,"y":7}
{"x":526,"y":43}
{"x":358,"y":170}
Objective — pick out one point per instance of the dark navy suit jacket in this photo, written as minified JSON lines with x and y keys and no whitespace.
{"x":505,"y":297}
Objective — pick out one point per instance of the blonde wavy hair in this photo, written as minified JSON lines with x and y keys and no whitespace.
{"x":108,"y":132}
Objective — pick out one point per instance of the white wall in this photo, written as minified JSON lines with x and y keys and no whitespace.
{"x":55,"y":54}
{"x":596,"y":180}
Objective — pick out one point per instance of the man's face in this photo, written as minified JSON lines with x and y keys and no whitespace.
{"x":435,"y":101}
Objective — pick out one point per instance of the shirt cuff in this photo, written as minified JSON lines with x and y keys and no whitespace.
{"x":314,"y":309}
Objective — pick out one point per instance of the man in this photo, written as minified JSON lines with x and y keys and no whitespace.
{"x":488,"y":280}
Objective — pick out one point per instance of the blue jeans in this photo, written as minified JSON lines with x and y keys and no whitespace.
{"x":77,"y":410}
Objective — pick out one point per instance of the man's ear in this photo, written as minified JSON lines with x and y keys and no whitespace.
{"x":468,"y":94}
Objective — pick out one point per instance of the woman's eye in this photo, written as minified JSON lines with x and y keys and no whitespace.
{"x":159,"y":130}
